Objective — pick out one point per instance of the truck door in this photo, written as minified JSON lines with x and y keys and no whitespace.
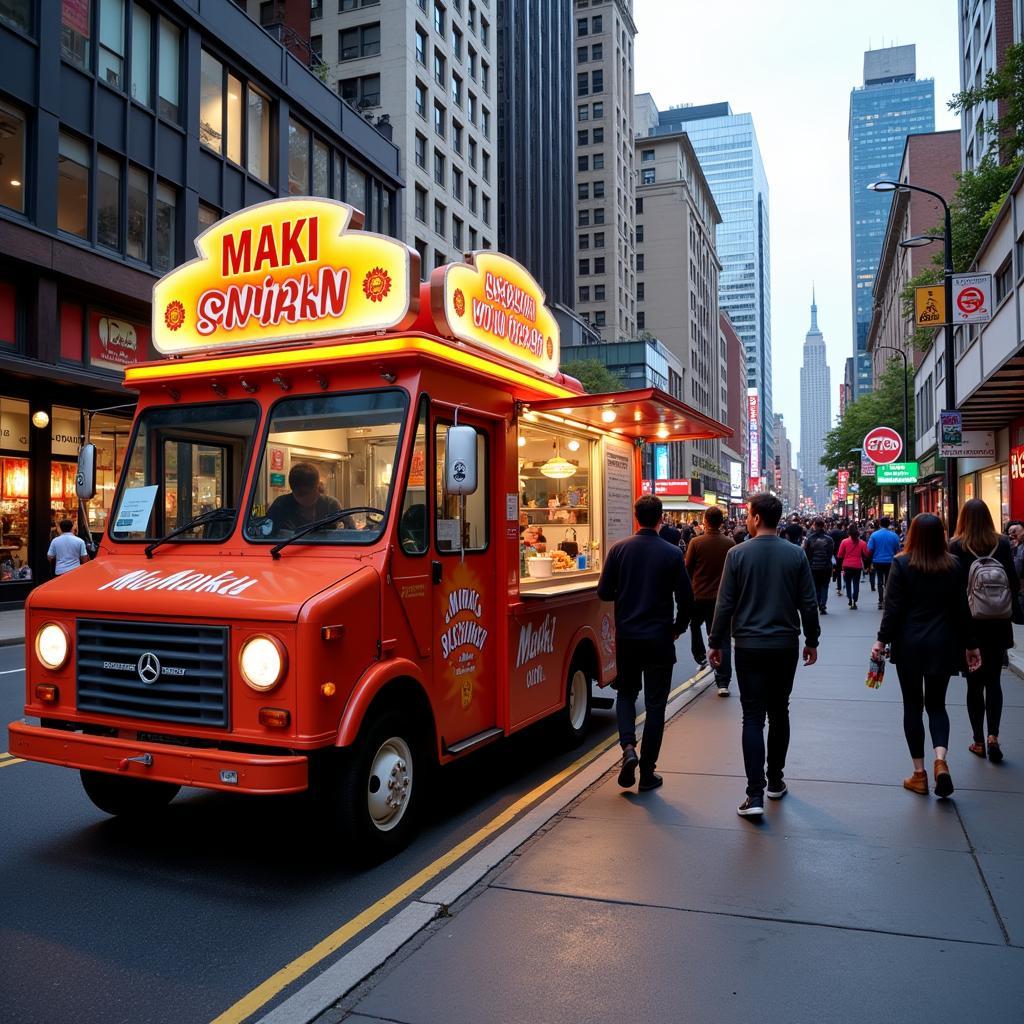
{"x":464,"y":595}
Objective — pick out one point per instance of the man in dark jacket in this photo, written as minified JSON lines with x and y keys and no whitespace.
{"x":838,"y":535}
{"x":820,"y":549}
{"x":670,"y":532}
{"x":765,"y":595}
{"x":643,"y":575}
{"x":705,"y":557}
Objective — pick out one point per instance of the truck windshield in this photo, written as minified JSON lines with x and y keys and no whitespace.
{"x":325,"y":454}
{"x":185,"y":461}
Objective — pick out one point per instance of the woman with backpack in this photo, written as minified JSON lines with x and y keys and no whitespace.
{"x":851,"y":555}
{"x":928,"y":626}
{"x":992,"y":589}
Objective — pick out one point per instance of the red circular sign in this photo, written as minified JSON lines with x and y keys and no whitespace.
{"x":883,"y":445}
{"x":970,"y":300}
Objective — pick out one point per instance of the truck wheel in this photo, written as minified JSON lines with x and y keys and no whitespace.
{"x":381,"y":789}
{"x":576,"y":714}
{"x":127,"y":797}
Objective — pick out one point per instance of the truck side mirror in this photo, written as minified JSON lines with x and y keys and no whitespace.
{"x":85,"y":476}
{"x":460,"y":460}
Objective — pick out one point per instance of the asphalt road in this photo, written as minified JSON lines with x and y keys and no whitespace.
{"x":101,"y":923}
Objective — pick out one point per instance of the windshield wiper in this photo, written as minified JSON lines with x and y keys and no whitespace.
{"x":213,"y":516}
{"x":319,"y":524}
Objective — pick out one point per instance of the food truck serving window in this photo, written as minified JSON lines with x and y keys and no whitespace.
{"x":326,"y":455}
{"x":185,"y":461}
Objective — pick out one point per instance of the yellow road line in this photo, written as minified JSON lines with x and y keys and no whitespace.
{"x":267,"y":990}
{"x":7,"y":762}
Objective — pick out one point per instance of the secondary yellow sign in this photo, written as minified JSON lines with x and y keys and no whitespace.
{"x":929,"y":305}
{"x":285,"y":270}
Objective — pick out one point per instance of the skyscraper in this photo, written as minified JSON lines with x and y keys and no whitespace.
{"x":536,"y":177}
{"x":892,"y":104}
{"x":726,"y":145}
{"x":815,"y":410}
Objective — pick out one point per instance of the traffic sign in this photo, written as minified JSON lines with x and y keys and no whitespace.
{"x":930,"y":305}
{"x":883,"y":445}
{"x":898,"y":473}
{"x":972,"y":298}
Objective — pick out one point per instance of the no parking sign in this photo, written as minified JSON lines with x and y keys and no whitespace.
{"x":972,"y":298}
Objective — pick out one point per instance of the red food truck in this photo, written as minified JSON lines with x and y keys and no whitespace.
{"x":358,"y":531}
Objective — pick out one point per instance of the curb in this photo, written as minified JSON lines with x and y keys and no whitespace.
{"x":11,"y":641}
{"x":319,"y":994}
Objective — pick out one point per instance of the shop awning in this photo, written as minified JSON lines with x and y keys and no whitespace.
{"x":998,"y":399}
{"x":647,"y":414}
{"x":683,"y":504}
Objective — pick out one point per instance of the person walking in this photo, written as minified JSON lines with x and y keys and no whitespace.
{"x":820,"y":554}
{"x":67,"y":551}
{"x":643,"y":575}
{"x":670,"y":532}
{"x":765,"y":595}
{"x":883,"y":544}
{"x":928,"y":627}
{"x":705,"y":559}
{"x":1015,"y":531}
{"x":976,"y":538}
{"x":838,"y":535}
{"x":793,"y":531}
{"x":850,"y":556}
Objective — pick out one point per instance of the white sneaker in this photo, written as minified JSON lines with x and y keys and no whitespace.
{"x":723,"y":691}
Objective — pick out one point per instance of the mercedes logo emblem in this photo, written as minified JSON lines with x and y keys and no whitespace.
{"x":148,"y":668}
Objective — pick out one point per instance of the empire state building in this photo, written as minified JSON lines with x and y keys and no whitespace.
{"x":815,"y":411}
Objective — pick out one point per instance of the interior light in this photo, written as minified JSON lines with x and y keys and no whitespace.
{"x":40,"y":419}
{"x":522,"y":441}
{"x":662,"y":432}
{"x":573,"y":445}
{"x":15,"y":183}
{"x":608,"y":415}
{"x":556,"y":467}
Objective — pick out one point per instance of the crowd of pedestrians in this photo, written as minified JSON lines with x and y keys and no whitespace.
{"x":755,"y":586}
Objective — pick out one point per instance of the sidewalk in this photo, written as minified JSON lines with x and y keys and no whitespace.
{"x":12,"y":627}
{"x":853,"y":901}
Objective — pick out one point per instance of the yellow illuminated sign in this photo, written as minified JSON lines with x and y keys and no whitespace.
{"x":929,"y":305}
{"x":493,"y":303}
{"x":285,"y":270}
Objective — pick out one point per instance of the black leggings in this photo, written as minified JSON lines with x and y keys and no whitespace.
{"x":985,"y":694}
{"x":920,"y":693}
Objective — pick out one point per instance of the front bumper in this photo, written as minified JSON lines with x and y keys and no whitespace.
{"x":186,"y":766}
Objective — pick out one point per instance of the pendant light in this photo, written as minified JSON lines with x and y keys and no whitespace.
{"x":556,"y":467}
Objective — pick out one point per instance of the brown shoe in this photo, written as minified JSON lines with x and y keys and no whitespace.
{"x":917,"y":783}
{"x":943,"y":780}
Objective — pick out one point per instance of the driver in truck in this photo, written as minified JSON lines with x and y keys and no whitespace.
{"x":305,"y":504}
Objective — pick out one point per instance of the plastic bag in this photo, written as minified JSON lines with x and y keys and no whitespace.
{"x":876,"y":671}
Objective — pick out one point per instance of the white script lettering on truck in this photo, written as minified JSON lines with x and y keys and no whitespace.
{"x":225,"y":583}
{"x":533,"y":642}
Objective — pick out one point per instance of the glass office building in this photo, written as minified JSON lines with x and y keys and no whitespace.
{"x":892,"y":104}
{"x":726,"y":145}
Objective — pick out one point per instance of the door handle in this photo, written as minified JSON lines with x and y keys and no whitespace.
{"x":435,"y":572}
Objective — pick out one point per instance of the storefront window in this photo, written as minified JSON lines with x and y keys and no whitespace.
{"x":258,"y":156}
{"x":995,"y":493}
{"x":321,"y":169}
{"x":138,"y":214}
{"x":110,"y":434}
{"x":12,"y":157}
{"x":75,"y":18}
{"x":73,"y":186}
{"x":14,"y":490}
{"x":355,"y":188}
{"x":211,"y":103}
{"x":298,"y":158}
{"x":234,"y":119}
{"x":108,"y":201}
{"x":208,"y":216}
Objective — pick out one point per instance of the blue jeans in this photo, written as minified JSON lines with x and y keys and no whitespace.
{"x":852,"y":577}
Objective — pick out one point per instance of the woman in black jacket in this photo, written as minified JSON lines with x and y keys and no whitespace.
{"x":929,"y":630}
{"x":976,"y":537}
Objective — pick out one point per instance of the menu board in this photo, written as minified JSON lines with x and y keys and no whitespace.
{"x":618,"y":492}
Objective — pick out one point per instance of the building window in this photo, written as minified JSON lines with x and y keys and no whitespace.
{"x":596,"y":25}
{"x":598,"y":135}
{"x":420,"y":149}
{"x":457,"y":183}
{"x":584,"y":268}
{"x":639,"y":206}
{"x":439,"y":167}
{"x":456,"y":136}
{"x":472,"y":197}
{"x":440,"y":218}
{"x":583,"y":218}
{"x":599,"y":190}
{"x":582,"y":84}
{"x":583,"y":242}
{"x":316,"y":47}
{"x":582,"y":163}
{"x":457,"y":232}
{"x":421,"y":100}
{"x":17,"y":14}
{"x":487,"y":210}
{"x":322,"y":169}
{"x":599,"y":215}
{"x":439,"y":18}
{"x":584,"y":293}
{"x":599,"y":318}
{"x":597,"y":51}
{"x":421,"y":204}
{"x":640,"y":291}
{"x":596,"y":82}
{"x":456,"y":90}
{"x":165,"y":228}
{"x":581,"y":26}
{"x":485,"y":122}
{"x":73,"y":186}
{"x":168,"y":82}
{"x":421,"y":247}
{"x":646,"y":155}
{"x":487,"y":166}
{"x":471,"y":109}
{"x":234,"y":119}
{"x":108,"y":201}
{"x":598,"y":110}
{"x":485,"y":32}
{"x":598,"y":239}
{"x":599,"y":265}
{"x":439,"y":68}
{"x":142,"y":45}
{"x":647,"y":176}
{"x":1003,"y":280}
{"x":361,"y":92}
{"x":258,"y":134}
{"x":583,"y":190}
{"x":583,"y":137}
{"x":599,"y":293}
{"x":639,"y":262}
{"x":583,"y":112}
{"x":472,"y":239}
{"x":137,"y":232}
{"x":639,"y":232}
{"x":582,"y":53}
{"x":439,"y":119}
{"x":599,"y":161}
{"x":457,"y":43}
{"x":12,"y":158}
{"x":211,"y":102}
{"x":641,"y":321}
{"x":298,"y":158}
{"x":75,"y":31}
{"x":471,"y":53}
{"x":316,"y":10}
{"x":359,"y":41}
{"x":421,"y":46}
{"x":356,"y":190}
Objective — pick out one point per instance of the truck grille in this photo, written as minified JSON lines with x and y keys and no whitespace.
{"x":165,"y":671}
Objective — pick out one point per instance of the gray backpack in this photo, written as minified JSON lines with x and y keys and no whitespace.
{"x":988,"y":589}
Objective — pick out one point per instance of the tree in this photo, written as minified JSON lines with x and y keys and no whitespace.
{"x":882,"y":407}
{"x":595,"y":377}
{"x":1003,"y":84}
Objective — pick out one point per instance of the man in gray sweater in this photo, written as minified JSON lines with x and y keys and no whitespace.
{"x":766,"y":592}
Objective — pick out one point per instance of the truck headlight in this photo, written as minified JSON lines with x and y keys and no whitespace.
{"x":52,"y":645}
{"x":262,"y":662}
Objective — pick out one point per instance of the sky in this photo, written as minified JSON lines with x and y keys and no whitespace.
{"x":792,"y":64}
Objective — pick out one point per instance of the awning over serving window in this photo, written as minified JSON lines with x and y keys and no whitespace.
{"x":647,"y":414}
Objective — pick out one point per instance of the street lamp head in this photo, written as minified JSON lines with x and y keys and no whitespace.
{"x":883,"y":186}
{"x":919,"y":240}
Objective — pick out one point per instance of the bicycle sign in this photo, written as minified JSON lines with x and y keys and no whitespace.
{"x":972,"y":298}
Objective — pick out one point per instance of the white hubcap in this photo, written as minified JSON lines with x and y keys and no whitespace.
{"x":390,"y":783}
{"x":578,"y":699}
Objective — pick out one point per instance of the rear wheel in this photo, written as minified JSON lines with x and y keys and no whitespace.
{"x":127,"y":797}
{"x":576,"y":714}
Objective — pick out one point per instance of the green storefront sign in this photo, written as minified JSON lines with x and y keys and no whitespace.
{"x":897,"y":473}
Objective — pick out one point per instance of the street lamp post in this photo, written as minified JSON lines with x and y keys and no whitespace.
{"x":906,"y":414}
{"x":952,"y":497}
